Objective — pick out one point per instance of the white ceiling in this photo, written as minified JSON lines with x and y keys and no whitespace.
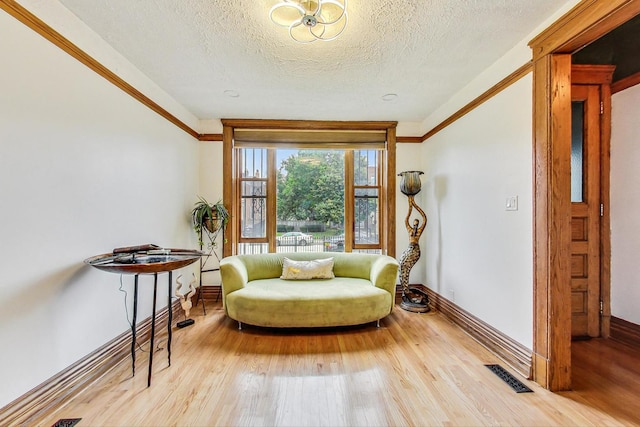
{"x":422,"y":50}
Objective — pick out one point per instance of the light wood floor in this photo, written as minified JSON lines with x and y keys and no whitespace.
{"x":606,"y":376}
{"x":415,"y":370}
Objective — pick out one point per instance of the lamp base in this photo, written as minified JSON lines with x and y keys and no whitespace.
{"x":184,"y":323}
{"x":418,"y":302}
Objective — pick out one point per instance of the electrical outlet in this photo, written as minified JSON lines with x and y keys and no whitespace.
{"x":452,"y":295}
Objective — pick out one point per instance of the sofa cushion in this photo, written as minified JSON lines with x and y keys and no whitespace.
{"x":312,"y":303}
{"x":305,"y":270}
{"x":266,"y":266}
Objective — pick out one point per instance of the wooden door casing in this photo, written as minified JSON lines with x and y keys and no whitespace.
{"x":552,"y":78}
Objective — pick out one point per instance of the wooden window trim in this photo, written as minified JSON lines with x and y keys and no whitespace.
{"x":231,"y":184}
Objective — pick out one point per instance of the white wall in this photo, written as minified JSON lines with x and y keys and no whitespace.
{"x":625,"y":205}
{"x":479,"y":255}
{"x":409,"y":158}
{"x":211,"y":188}
{"x":84,"y":168}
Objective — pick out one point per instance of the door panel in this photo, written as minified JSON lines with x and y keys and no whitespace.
{"x":585,"y":211}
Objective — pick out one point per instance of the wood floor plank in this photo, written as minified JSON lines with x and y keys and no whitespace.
{"x":607,"y":377}
{"x":415,"y":370}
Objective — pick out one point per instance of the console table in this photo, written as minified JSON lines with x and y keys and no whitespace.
{"x":146,"y":259}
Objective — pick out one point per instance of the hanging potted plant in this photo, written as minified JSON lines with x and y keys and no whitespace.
{"x":209,"y":218}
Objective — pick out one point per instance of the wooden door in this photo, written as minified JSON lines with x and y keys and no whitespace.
{"x":585,"y":210}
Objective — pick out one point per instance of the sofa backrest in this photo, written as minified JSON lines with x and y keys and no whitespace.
{"x":266,"y":266}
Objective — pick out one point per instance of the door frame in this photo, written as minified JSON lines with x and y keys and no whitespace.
{"x":552,"y":50}
{"x":601,"y":76}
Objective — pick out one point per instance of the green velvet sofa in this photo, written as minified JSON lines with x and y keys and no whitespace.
{"x":362,"y":291}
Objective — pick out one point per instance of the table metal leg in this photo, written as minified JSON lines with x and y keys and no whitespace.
{"x":133,"y":326}
{"x":170,"y":308}
{"x":153,"y":326}
{"x":200,"y":296}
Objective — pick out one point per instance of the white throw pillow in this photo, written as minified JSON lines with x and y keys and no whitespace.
{"x":305,"y":270}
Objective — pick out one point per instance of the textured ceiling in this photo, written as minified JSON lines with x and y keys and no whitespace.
{"x":422,"y":50}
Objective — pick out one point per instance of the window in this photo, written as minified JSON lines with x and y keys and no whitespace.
{"x":366,"y":196}
{"x":253,"y":192}
{"x":292,"y":190}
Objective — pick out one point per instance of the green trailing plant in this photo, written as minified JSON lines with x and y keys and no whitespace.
{"x":209,"y":219}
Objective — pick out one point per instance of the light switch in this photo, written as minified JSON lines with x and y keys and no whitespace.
{"x":512,"y":203}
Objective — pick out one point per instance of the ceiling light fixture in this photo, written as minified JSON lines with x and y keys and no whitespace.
{"x":311,"y":20}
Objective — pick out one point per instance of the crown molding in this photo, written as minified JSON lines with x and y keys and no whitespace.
{"x":39,"y":26}
{"x":36,"y":24}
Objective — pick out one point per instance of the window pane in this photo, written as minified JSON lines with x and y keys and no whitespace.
{"x":253,"y":248}
{"x":254,"y":163}
{"x":366,"y":216}
{"x":310,"y":200}
{"x":368,"y":251}
{"x":577,"y":150}
{"x":253,"y":219}
{"x":253,"y":193}
{"x":366,"y":167}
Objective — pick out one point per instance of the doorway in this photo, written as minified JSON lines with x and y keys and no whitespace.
{"x":552,"y":78}
{"x":585,"y":211}
{"x":590,"y":240}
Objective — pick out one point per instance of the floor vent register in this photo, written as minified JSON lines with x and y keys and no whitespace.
{"x":66,"y":422}
{"x":512,"y":381}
